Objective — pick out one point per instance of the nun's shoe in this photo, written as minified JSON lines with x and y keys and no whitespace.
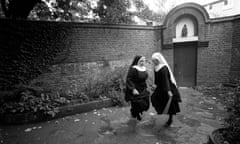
{"x":139,"y":117}
{"x":168,"y":123}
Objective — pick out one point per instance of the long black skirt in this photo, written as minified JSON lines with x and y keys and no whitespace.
{"x":140,"y":104}
{"x":159,"y":102}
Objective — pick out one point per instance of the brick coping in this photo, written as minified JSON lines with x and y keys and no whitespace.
{"x":86,"y":25}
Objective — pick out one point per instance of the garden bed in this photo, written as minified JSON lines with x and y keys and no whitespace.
{"x":229,"y":96}
{"x":70,"y":109}
{"x":39,"y":101}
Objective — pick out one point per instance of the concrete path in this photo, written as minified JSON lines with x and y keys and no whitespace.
{"x":200,"y":115}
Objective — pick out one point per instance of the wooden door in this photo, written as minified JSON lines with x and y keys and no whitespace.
{"x":185,"y":63}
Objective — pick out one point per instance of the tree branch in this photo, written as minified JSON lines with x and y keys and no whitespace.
{"x":4,"y":8}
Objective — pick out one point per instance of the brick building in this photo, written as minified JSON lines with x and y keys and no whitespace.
{"x":208,"y":48}
{"x":222,"y":8}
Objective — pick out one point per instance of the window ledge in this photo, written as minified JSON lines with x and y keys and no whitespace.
{"x":185,"y":39}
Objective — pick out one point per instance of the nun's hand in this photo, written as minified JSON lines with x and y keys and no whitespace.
{"x":153,"y":87}
{"x":170,"y":93}
{"x":135,"y":92}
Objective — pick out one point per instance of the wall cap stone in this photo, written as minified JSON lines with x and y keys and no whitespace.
{"x":88,"y":25}
{"x":223,"y":19}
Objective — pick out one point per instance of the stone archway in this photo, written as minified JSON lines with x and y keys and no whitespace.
{"x":185,"y":28}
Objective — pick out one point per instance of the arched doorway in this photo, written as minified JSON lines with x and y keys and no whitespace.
{"x":185,"y":30}
{"x":185,"y":46}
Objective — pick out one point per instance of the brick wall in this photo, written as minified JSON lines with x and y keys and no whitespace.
{"x":235,"y":63}
{"x":214,"y":61}
{"x":60,"y":52}
{"x":66,"y":55}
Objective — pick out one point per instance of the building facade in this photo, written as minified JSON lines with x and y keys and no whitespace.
{"x":222,"y":8}
{"x":203,"y":54}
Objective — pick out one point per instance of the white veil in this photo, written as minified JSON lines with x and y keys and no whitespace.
{"x":158,"y":56}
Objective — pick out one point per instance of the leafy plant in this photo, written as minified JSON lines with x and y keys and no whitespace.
{"x":46,"y":103}
{"x":232,"y":122}
{"x":27,"y":99}
{"x":111,"y":84}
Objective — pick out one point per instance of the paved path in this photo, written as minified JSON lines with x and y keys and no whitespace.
{"x":200,"y":115}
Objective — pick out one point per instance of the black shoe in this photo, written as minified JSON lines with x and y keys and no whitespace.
{"x":168,"y":123}
{"x":139,"y":117}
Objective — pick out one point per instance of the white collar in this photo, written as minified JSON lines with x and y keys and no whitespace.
{"x":142,"y":68}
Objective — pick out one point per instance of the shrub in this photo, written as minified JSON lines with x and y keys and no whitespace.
{"x":25,"y":99}
{"x":28,"y":101}
{"x":111,"y":84}
{"x":232,"y":122}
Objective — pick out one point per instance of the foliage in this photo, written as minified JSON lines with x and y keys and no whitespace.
{"x":16,"y":9}
{"x":110,"y":85}
{"x":232,"y":122}
{"x":144,"y":12}
{"x":229,"y":96}
{"x":62,"y":10}
{"x":113,"y":11}
{"x":34,"y":99}
{"x":94,"y":11}
{"x":28,"y":101}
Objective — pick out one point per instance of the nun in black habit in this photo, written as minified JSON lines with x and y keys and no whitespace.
{"x":136,"y":87}
{"x":166,"y":97}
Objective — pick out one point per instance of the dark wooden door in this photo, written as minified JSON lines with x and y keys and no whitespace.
{"x":185,"y":63}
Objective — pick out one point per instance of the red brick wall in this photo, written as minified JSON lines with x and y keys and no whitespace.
{"x":235,"y":63}
{"x":214,"y":61}
{"x":59,"y":51}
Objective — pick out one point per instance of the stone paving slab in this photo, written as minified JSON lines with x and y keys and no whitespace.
{"x":199,"y":116}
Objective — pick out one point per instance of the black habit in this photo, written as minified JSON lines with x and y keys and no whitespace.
{"x":160,"y":96}
{"x":137,"y":80}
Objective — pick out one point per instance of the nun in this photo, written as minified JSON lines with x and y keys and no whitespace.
{"x":166,"y":97}
{"x":136,"y":87}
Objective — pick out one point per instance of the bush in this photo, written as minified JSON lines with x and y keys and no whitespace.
{"x":232,"y":122}
{"x":30,"y":101}
{"x":111,"y":84}
{"x":33,"y":99}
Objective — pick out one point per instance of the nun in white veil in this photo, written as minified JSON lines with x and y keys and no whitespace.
{"x":166,"y":97}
